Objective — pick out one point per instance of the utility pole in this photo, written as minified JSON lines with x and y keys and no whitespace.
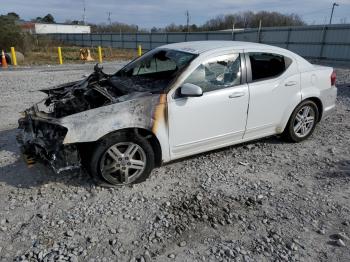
{"x":109,"y":18}
{"x":334,"y":5}
{"x":188,"y":21}
{"x":84,"y":13}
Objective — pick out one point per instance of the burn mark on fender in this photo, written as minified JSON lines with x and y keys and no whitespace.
{"x":159,"y":113}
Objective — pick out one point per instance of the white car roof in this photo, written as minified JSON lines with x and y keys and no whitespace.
{"x":200,"y":47}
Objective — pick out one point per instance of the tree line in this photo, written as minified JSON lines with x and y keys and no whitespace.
{"x":12,"y":34}
{"x":246,"y":19}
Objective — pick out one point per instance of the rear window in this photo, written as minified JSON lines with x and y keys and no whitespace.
{"x":267,"y":65}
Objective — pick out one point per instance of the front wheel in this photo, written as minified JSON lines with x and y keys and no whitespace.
{"x":122,"y":159}
{"x":302,"y":122}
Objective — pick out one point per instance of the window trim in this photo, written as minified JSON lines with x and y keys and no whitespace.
{"x":249,"y":67}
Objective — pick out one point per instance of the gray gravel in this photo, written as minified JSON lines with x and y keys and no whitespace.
{"x":262,"y":201}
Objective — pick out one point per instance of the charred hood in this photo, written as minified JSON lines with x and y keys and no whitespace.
{"x":98,"y":89}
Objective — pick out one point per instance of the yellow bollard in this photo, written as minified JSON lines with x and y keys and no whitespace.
{"x":139,"y":50}
{"x":60,"y":55}
{"x":100,"y":54}
{"x":14,"y":58}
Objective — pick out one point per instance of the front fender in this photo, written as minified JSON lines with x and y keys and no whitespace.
{"x":91,"y":125}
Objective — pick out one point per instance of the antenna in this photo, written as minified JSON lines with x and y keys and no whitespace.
{"x":84,"y":12}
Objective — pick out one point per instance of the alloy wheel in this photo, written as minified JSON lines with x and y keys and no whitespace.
{"x":304,"y":121}
{"x":123,"y":163}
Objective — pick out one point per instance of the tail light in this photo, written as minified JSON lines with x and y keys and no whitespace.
{"x":333,"y":78}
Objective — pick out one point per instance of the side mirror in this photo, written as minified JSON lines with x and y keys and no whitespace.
{"x":190,"y":90}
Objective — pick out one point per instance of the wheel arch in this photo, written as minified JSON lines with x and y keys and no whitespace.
{"x":144,"y":133}
{"x":318,"y":103}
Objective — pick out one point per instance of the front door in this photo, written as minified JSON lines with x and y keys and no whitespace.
{"x":215,"y":119}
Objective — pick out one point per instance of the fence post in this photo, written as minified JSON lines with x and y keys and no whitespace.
{"x":324,"y":33}
{"x":150,"y":41}
{"x":233,"y":32}
{"x":60,"y":60}
{"x":288,"y":37}
{"x":14,"y":58}
{"x":259,"y":32}
{"x":136,"y":41}
{"x":100,"y":54}
{"x":167,"y":37}
{"x":122,"y":39}
{"x":139,"y":50}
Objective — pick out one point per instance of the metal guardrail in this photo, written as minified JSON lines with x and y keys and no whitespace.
{"x":323,"y":42}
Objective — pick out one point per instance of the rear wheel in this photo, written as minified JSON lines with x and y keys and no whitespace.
{"x":302,"y":122}
{"x":122,"y":159}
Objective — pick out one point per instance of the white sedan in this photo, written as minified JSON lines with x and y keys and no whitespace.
{"x":174,"y":101}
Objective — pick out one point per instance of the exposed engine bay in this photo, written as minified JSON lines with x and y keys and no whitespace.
{"x":92,"y":92}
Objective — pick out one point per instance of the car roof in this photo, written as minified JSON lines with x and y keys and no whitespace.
{"x":198,"y":47}
{"x":201,"y":47}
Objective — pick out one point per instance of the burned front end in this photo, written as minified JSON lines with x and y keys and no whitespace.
{"x":71,"y":114}
{"x":41,"y":140}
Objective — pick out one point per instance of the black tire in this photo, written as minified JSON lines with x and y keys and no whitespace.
{"x":289,"y":133}
{"x":116,"y":139}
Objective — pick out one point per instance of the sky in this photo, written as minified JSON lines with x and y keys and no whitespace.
{"x":159,"y":13}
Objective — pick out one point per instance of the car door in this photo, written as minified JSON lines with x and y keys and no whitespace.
{"x":274,"y":87}
{"x":215,"y":119}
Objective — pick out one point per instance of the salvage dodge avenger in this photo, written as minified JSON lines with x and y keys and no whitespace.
{"x":175,"y":101}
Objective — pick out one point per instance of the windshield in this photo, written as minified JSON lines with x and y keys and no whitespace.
{"x":153,"y":71}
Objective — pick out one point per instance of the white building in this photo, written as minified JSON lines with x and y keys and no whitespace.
{"x":40,"y":28}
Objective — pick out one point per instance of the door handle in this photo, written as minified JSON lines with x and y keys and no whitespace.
{"x":291,"y":83}
{"x":236,"y":94}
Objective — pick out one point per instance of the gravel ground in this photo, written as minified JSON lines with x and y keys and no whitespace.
{"x":262,"y":201}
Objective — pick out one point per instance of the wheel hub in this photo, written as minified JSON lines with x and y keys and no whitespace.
{"x":304,"y":121}
{"x":123,"y":163}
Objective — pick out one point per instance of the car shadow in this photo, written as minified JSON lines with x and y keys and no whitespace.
{"x":15,"y":172}
{"x":273,"y":140}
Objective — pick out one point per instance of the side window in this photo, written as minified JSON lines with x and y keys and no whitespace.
{"x":221,"y":72}
{"x":267,"y":65}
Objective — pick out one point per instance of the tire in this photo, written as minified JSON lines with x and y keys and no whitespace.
{"x":122,"y":159}
{"x":302,"y":115}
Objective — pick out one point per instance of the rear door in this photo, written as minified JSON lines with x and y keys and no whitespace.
{"x":274,"y":84}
